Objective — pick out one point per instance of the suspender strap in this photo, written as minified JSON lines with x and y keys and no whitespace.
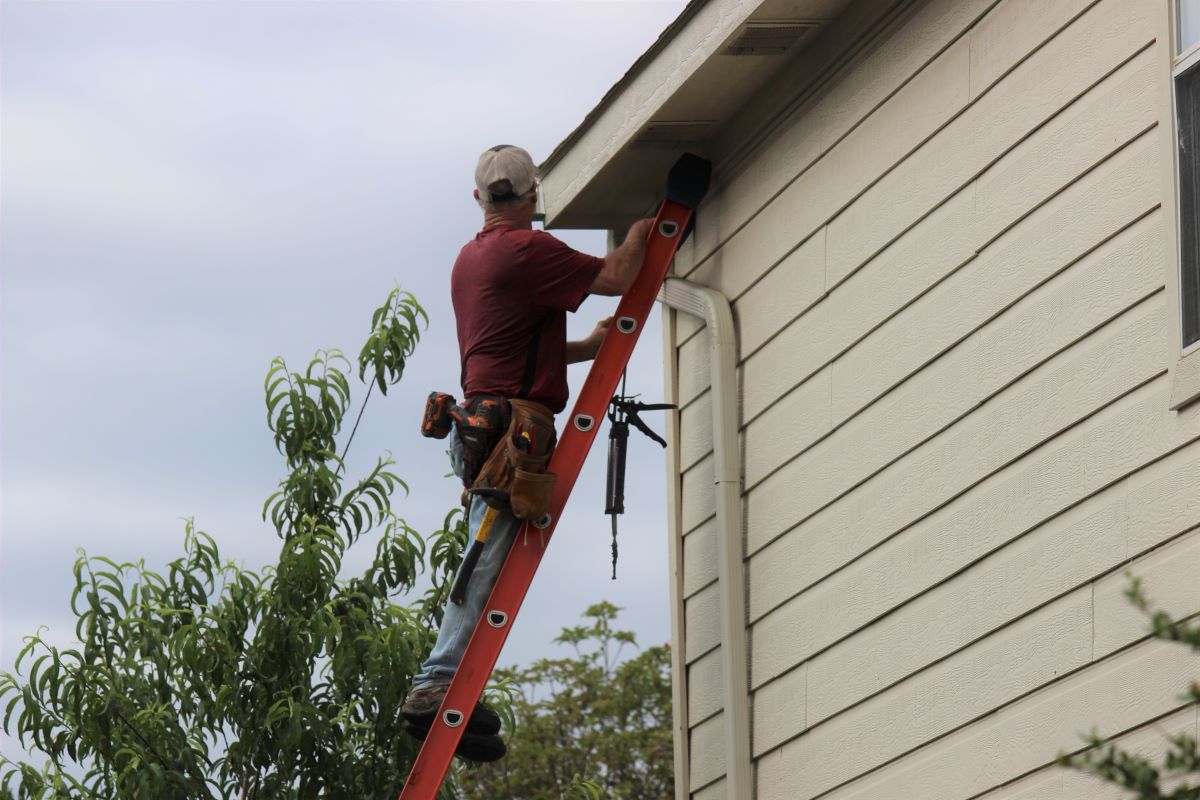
{"x":531,"y":358}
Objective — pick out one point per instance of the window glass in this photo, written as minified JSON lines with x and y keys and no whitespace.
{"x":1187,"y":102}
{"x":1189,"y":24}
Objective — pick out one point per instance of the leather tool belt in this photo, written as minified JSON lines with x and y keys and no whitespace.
{"x":514,"y":477}
{"x":507,"y":444}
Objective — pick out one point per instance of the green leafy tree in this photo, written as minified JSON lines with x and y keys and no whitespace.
{"x":1180,"y":768}
{"x":593,"y":715}
{"x":210,"y":680}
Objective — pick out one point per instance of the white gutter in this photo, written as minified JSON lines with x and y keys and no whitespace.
{"x":712,"y":307}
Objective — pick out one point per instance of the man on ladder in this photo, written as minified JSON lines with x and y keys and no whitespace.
{"x":511,"y":287}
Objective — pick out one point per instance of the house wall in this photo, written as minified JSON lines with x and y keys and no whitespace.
{"x":948,"y":270}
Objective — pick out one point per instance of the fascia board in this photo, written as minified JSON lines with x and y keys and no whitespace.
{"x":683,"y":49}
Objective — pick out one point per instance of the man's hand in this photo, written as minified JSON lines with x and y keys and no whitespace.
{"x":586,"y":349}
{"x":623,"y":264}
{"x":594,"y":338}
{"x":640,"y":230}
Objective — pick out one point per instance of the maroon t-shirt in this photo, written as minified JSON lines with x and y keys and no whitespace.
{"x":509,"y":285}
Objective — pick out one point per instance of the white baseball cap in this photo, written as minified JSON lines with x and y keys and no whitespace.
{"x":504,"y":172}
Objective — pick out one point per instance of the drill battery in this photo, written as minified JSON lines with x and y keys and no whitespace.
{"x":439,"y":415}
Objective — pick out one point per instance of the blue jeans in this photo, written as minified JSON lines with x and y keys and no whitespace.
{"x":458,"y":623}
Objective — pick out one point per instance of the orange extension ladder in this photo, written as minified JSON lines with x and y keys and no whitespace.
{"x":687,"y":183}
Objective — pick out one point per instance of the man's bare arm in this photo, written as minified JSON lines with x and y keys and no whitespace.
{"x":622,"y":265}
{"x":579,"y":351}
{"x":585,"y":349}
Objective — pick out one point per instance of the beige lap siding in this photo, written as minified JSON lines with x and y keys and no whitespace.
{"x":704,"y":672}
{"x":947,"y":271}
{"x":1003,"y":573}
{"x":951,"y":124}
{"x":1116,"y":694}
{"x":1037,"y":89}
{"x":1021,"y":411}
{"x":702,"y":618}
{"x":862,"y":304}
{"x":713,"y":791}
{"x":800,"y":349}
{"x":700,"y":557}
{"x":1054,"y":783}
{"x":1078,"y":301}
{"x":851,"y":130}
{"x":863,"y":321}
{"x":1006,"y":653}
{"x":838,"y":605}
{"x":697,"y":486}
{"x":708,"y":751}
{"x":999,"y":709}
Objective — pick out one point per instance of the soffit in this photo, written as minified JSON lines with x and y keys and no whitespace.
{"x":680,"y":95}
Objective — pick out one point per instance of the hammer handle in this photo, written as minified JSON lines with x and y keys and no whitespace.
{"x":458,"y":593}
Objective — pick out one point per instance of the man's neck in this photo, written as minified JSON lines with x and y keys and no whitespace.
{"x":508,"y":219}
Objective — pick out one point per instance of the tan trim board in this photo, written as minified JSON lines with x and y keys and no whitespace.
{"x":676,"y":564}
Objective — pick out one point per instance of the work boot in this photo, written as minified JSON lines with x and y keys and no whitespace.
{"x":421,"y":706}
{"x":472,"y":747}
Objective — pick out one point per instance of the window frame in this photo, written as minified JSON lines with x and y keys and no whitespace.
{"x":1180,"y":64}
{"x":1183,"y":363}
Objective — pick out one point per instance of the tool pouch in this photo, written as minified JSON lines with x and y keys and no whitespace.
{"x":514,"y":478}
{"x":481,"y":423}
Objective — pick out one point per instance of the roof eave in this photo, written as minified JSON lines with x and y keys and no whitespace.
{"x":608,"y":171}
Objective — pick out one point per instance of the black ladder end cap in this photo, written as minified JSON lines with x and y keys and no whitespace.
{"x":687,"y":182}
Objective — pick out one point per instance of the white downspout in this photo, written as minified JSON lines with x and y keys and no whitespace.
{"x":712,"y":307}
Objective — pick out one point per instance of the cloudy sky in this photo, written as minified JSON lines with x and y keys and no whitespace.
{"x":188,"y":189}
